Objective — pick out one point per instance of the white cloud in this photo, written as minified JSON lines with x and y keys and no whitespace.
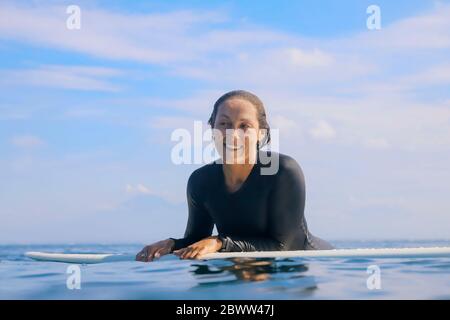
{"x":403,"y":123}
{"x":200,"y":103}
{"x":377,"y":122}
{"x":434,"y":75}
{"x":282,"y":122}
{"x":380,"y":62}
{"x":250,"y":56}
{"x":431,"y":76}
{"x":138,"y":189}
{"x":27,"y":141}
{"x":430,"y":30}
{"x":66,"y":77}
{"x":151,"y":38}
{"x":323,"y":131}
{"x":315,"y":58}
{"x":266,"y":57}
{"x":141,"y":189}
{"x":172,"y":40}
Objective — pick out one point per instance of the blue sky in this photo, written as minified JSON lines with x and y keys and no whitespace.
{"x":86,"y":115}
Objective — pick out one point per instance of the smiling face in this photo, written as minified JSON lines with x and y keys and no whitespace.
{"x":237,"y":131}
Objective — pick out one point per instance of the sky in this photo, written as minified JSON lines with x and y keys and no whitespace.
{"x":86,"y":115}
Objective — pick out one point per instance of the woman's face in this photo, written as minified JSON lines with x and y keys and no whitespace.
{"x":236,"y":131}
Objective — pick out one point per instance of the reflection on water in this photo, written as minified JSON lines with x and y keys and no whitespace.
{"x":251,"y":269}
{"x":234,"y":271}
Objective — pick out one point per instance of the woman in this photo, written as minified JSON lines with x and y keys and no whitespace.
{"x":252,"y":211}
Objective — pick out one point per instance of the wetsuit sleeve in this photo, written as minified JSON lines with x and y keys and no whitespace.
{"x":286,"y":210}
{"x":287,"y":205}
{"x":234,"y":243}
{"x":200,"y":223}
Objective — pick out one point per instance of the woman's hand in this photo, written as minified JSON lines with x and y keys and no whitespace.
{"x":194,"y":251}
{"x":155,"y":250}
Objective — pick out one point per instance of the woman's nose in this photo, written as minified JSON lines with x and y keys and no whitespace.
{"x":236,"y":136}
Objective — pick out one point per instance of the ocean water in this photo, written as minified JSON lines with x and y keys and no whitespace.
{"x":172,"y":278}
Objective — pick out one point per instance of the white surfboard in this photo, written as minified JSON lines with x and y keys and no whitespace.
{"x":78,"y":257}
{"x":335,"y":253}
{"x":340,"y":253}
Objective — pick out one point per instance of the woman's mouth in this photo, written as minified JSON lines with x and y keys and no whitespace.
{"x":233,"y":148}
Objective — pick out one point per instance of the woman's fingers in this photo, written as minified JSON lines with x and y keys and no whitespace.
{"x":178,"y":252}
{"x":156,"y":250}
{"x":199,"y":254}
{"x":146,"y":254}
{"x":150,"y":254}
{"x":141,"y":256}
{"x":185,"y":252}
{"x":195,"y":253}
{"x":192,"y":253}
{"x":159,"y":253}
{"x":189,"y":252}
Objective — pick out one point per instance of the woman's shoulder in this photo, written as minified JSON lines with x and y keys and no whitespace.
{"x":279,"y":161}
{"x":204,"y":173}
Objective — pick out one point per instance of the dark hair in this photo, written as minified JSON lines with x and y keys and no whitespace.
{"x":253,"y":99}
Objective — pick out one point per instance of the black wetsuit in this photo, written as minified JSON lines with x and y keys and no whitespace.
{"x":265,"y":214}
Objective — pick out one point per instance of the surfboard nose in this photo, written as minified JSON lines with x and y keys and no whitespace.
{"x":83,"y":258}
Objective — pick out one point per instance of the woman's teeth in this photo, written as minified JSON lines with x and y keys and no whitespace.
{"x":233,"y":148}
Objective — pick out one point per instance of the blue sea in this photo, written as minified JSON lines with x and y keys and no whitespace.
{"x":172,"y":278}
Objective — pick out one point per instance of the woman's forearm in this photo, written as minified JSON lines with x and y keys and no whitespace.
{"x":245,"y":244}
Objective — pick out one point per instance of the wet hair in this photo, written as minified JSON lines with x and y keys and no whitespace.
{"x":253,"y":99}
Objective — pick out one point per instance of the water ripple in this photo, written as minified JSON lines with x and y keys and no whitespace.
{"x":250,"y":278}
